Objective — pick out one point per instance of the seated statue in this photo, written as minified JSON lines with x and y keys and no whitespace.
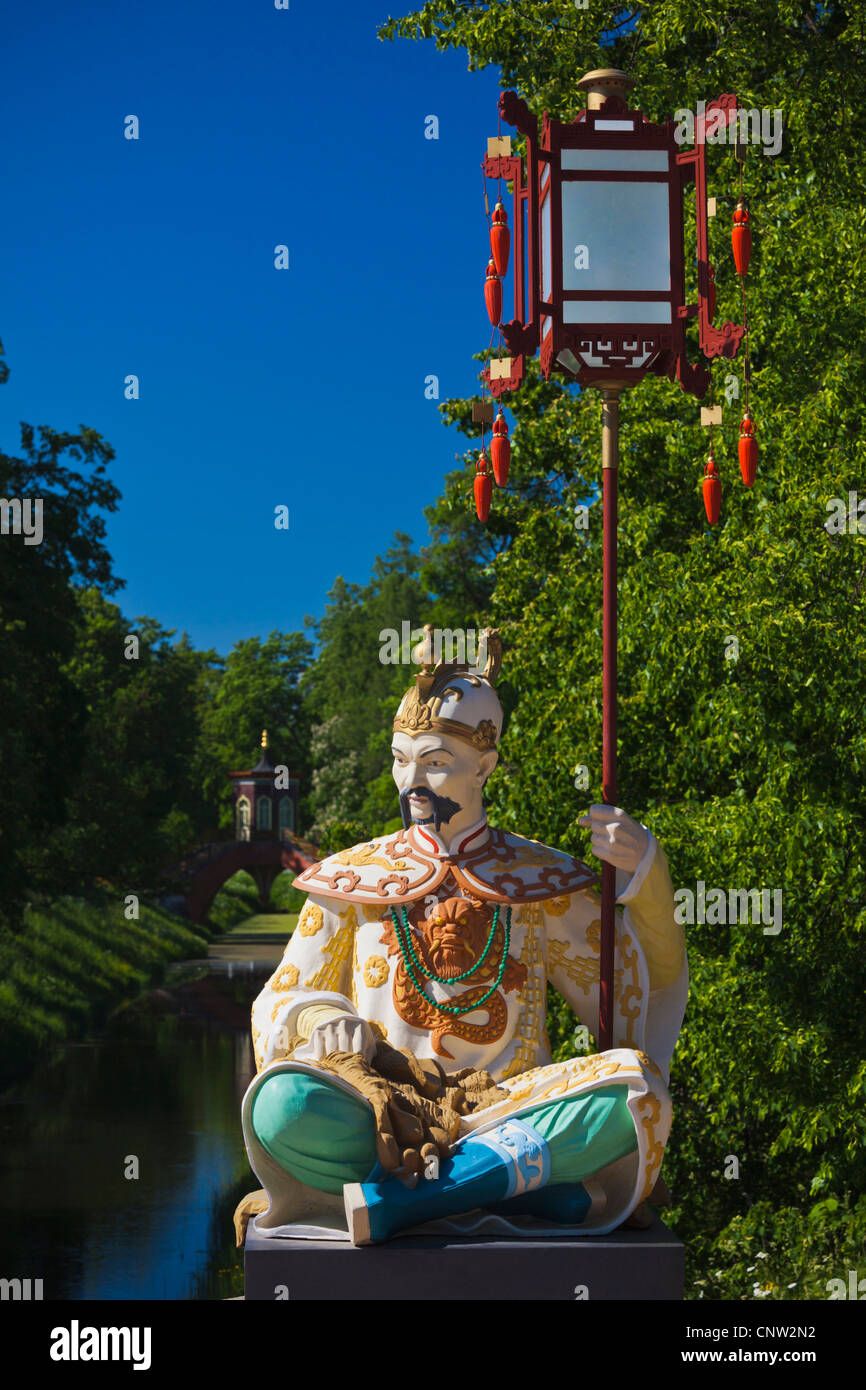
{"x":404,"y":1068}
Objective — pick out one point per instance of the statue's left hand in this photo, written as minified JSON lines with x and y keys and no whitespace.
{"x":344,"y":1033}
{"x":615,"y":836}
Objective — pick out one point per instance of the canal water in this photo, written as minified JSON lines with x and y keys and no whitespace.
{"x":122,"y":1158}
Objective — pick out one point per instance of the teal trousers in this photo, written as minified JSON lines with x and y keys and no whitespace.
{"x":325,"y":1137}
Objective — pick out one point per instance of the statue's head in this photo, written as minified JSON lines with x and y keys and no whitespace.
{"x":445,"y":734}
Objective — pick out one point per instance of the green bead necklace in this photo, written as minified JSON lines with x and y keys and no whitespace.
{"x":413,"y":964}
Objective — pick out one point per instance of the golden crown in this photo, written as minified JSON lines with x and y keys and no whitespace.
{"x":420,"y":706}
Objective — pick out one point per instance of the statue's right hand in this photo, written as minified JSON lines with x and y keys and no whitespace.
{"x":344,"y":1034}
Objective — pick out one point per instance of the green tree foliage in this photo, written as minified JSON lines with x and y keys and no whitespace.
{"x":257,"y":688}
{"x":116,"y":738}
{"x":746,"y":759}
{"x":138,"y":796}
{"x":351,"y":693}
{"x":42,"y":730}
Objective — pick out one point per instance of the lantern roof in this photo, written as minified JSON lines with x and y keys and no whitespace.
{"x":599,"y":245}
{"x":602,"y":83}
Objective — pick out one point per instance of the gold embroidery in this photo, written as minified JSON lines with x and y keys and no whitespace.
{"x":533,"y":1003}
{"x":366,"y":854}
{"x":338,"y":951}
{"x":376,"y":971}
{"x":581,"y":970}
{"x":379,"y":1029}
{"x":353,"y":978}
{"x":647,"y":1061}
{"x":527,"y":858}
{"x":518,"y":1097}
{"x":543,"y":1083}
{"x":531,"y":915}
{"x":650,"y":1111}
{"x":634,"y":991}
{"x":598,"y":1068}
{"x":372,"y":912}
{"x":285,"y":978}
{"x":557,"y":907}
{"x":311,"y":920}
{"x":529,"y":1076}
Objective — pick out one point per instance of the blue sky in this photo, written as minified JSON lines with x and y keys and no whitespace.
{"x":155,"y":256}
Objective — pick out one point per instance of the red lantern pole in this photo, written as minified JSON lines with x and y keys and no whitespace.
{"x":609,"y":467}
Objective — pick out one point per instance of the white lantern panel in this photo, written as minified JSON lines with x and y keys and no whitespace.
{"x":642,"y":161}
{"x":615,"y":236}
{"x":546,"y":249}
{"x":616,"y":311}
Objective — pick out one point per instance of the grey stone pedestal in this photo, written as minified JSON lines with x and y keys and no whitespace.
{"x":626,"y":1265}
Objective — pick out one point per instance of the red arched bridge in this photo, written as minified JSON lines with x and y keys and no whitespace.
{"x":199,"y":876}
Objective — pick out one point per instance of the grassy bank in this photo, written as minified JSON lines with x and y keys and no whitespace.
{"x":73,"y":962}
{"x":77,"y":959}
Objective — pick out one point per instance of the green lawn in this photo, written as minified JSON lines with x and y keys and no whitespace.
{"x":267,"y":924}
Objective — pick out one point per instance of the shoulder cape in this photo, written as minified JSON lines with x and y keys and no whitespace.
{"x":507,"y":868}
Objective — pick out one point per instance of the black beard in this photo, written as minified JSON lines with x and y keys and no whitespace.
{"x":443,"y":807}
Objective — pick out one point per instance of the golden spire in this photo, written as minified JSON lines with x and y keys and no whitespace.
{"x":264,"y":738}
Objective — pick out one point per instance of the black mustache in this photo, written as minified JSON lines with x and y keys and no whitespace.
{"x":443,"y":807}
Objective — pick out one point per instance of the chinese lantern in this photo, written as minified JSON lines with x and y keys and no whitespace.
{"x":500,"y":450}
{"x":741,"y":238}
{"x":493,"y":294}
{"x":500,"y":239}
{"x":483,"y":486}
{"x":748,"y":448}
{"x":712,"y":490}
{"x":711,"y":294}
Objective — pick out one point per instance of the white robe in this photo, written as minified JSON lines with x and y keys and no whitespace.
{"x":337,"y":956}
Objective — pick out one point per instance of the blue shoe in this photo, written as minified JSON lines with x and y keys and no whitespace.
{"x":484,"y":1170}
{"x":564,"y":1203}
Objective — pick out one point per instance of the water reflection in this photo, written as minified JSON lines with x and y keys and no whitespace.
{"x":158,"y":1094}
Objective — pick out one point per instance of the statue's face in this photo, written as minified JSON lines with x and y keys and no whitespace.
{"x":439,"y":777}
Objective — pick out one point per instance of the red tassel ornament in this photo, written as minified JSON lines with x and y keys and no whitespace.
{"x":483,"y":486}
{"x":500,"y":239}
{"x":741,"y":238}
{"x":748,"y":449}
{"x":712,"y":491}
{"x":493,"y":294}
{"x":500,"y":450}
